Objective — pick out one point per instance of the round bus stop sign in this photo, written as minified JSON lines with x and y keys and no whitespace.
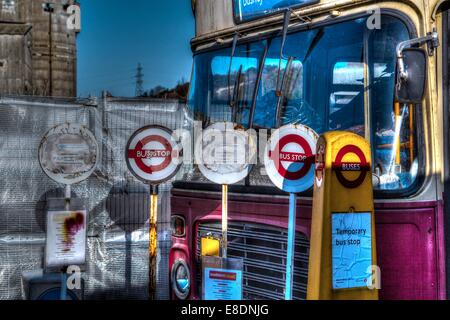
{"x":153,"y":155}
{"x":290,"y":158}
{"x":68,"y":153}
{"x":225,"y":153}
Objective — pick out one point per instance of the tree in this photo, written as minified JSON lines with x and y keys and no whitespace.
{"x":180,"y":92}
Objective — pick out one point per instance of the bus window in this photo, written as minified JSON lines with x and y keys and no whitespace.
{"x":242,"y":79}
{"x":393,"y":127}
{"x":338,"y":73}
{"x":267,"y":99}
{"x":220,"y":68}
{"x":347,"y":98}
{"x":216,"y":86}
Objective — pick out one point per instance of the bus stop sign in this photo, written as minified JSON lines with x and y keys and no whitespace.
{"x":342,"y":256}
{"x":290,"y":158}
{"x":153,"y":155}
{"x":69,"y":153}
{"x":361,"y":166}
{"x":224,"y":153}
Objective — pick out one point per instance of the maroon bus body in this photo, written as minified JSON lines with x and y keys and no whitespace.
{"x":410,"y":237}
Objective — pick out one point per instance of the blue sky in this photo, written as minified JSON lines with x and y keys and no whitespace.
{"x":117,"y":35}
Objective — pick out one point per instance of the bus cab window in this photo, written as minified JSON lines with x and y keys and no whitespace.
{"x":339,"y":73}
{"x":347,"y":98}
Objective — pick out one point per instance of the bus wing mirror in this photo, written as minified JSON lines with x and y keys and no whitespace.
{"x":412,"y":68}
{"x":411,"y":76}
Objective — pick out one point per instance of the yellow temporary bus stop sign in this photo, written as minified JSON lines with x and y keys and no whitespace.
{"x":343,"y":248}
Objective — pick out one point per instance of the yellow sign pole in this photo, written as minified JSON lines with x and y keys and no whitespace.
{"x":224,"y":220}
{"x":397,"y":141}
{"x":343,"y":248}
{"x":153,"y":241}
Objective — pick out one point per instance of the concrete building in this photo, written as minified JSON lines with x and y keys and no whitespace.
{"x":37,"y":48}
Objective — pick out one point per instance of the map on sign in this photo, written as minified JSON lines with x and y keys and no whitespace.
{"x":68,"y":153}
{"x":351,"y":250}
{"x":290,"y":158}
{"x":224,"y":153}
{"x":153,"y":155}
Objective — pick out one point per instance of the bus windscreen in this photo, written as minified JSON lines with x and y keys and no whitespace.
{"x":245,"y":10}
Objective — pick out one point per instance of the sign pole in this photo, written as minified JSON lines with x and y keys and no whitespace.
{"x":222,"y":154}
{"x":289,"y":162}
{"x":224,"y":220}
{"x":291,"y":246}
{"x":153,"y":156}
{"x":153,"y":240}
{"x":63,"y":293}
{"x":65,"y":163}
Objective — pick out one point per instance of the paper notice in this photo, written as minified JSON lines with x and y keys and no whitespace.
{"x":66,"y":238}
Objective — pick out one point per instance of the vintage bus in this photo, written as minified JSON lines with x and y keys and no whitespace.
{"x":337,"y":63}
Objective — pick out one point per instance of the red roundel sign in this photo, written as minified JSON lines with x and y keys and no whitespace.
{"x":361,"y":166}
{"x":290,"y":157}
{"x":153,"y":155}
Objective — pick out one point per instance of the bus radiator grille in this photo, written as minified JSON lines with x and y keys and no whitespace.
{"x":264,"y":250}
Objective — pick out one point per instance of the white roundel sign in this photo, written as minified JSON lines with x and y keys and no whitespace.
{"x":153,"y":155}
{"x":225,"y":153}
{"x":289,"y":158}
{"x":68,"y":153}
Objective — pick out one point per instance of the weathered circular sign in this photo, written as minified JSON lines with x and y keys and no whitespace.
{"x":224,"y":153}
{"x":68,"y":153}
{"x":289,"y":158}
{"x":153,"y":155}
{"x":361,"y":165}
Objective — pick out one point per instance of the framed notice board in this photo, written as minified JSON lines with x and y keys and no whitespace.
{"x":351,"y":249}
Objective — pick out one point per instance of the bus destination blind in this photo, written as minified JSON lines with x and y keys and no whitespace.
{"x":245,"y":10}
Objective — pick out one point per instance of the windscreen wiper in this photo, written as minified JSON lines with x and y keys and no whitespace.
{"x":319,"y":35}
{"x":283,"y":85}
{"x":258,"y":84}
{"x":236,"y":92}
{"x":233,"y":51}
{"x":287,"y":18}
{"x":283,"y":88}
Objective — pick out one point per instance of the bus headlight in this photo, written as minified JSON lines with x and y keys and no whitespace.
{"x":181,"y":279}
{"x":178,"y":225}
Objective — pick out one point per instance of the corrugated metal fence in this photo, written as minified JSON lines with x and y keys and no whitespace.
{"x":117,"y":266}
